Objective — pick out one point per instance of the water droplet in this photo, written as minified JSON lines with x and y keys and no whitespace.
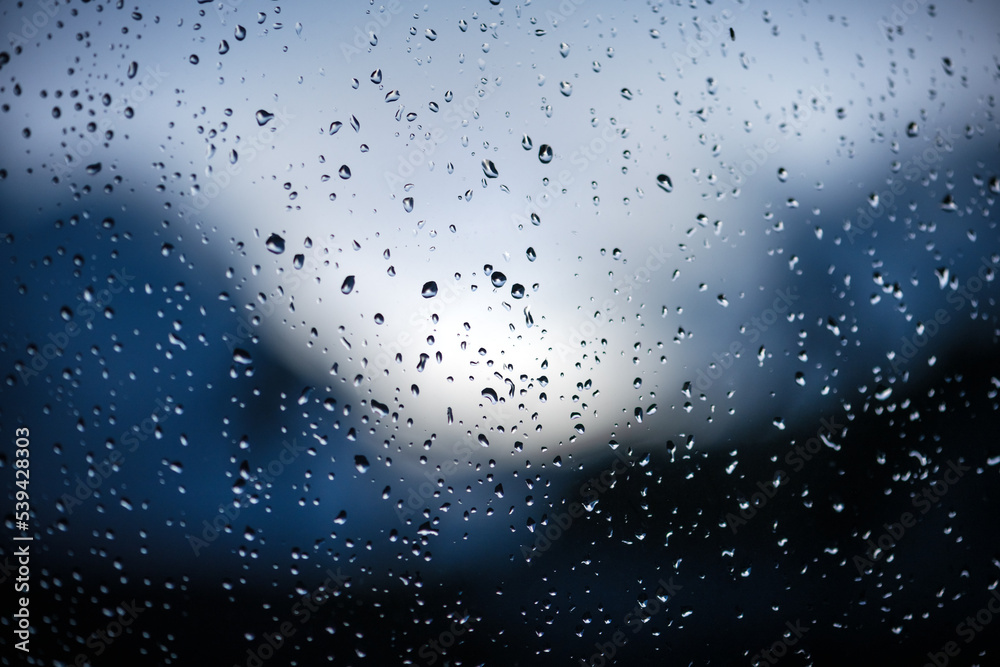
{"x":526,"y":142}
{"x":530,"y":253}
{"x":275,"y":244}
{"x":626,"y":93}
{"x":263,"y":117}
{"x":498,"y":279}
{"x":348,"y":285}
{"x":392,"y":96}
{"x":782,"y":174}
{"x":545,"y":153}
{"x":242,"y":357}
{"x":490,"y":169}
{"x":240,"y":33}
{"x":430,"y":289}
{"x":408,"y":204}
{"x":912,"y":130}
{"x":377,"y":76}
{"x":430,"y":34}
{"x":490,"y":394}
{"x":335,"y":127}
{"x":517,"y":290}
{"x":665,"y":183}
{"x":345,"y":172}
{"x":223,"y":47}
{"x":566,"y":88}
{"x":564,"y":49}
{"x":361,"y":463}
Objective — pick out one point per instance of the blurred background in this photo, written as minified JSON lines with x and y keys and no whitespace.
{"x":506,"y":315}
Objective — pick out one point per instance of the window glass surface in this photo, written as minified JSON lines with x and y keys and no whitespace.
{"x":496,"y":333}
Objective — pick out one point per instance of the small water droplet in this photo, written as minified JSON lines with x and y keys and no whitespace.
{"x":348,"y":285}
{"x":490,"y":169}
{"x":665,"y":183}
{"x":545,"y":153}
{"x":377,"y":76}
{"x":564,"y":49}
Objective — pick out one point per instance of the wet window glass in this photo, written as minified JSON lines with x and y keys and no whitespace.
{"x":499,"y":333}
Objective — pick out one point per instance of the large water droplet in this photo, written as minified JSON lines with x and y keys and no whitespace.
{"x":345,"y":172}
{"x":430,"y":289}
{"x":241,"y":356}
{"x":348,"y":285}
{"x":490,"y":169}
{"x":545,"y":153}
{"x":498,"y":279}
{"x":564,"y":49}
{"x":665,"y":183}
{"x":275,"y":244}
{"x":263,"y":117}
